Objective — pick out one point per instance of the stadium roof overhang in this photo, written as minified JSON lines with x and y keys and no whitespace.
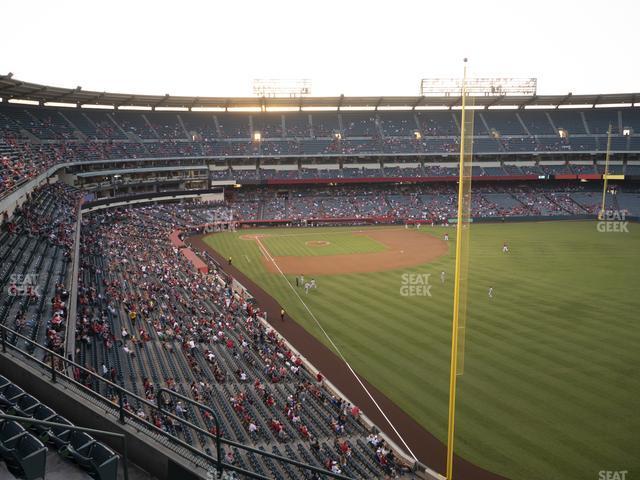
{"x":13,"y":89}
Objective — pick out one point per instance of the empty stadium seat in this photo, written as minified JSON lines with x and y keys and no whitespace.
{"x":100,"y":461}
{"x":79,"y":443}
{"x":25,"y":406}
{"x":42,"y":412}
{"x":59,"y":436}
{"x":10,"y":395}
{"x":25,"y":454}
{"x":26,"y":457}
{"x":9,"y":431}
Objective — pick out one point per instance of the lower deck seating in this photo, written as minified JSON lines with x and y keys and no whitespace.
{"x":148,"y":321}
{"x":427,"y":202}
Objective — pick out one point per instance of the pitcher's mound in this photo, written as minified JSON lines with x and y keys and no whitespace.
{"x":317,"y":243}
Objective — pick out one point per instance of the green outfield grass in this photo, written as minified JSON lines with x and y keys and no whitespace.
{"x":551,"y":388}
{"x":297,"y":243}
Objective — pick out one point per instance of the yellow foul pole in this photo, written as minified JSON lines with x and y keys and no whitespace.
{"x":462,"y":192}
{"x":606,"y":173}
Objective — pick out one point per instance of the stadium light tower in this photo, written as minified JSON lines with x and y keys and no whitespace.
{"x":281,"y":87}
{"x":479,"y":87}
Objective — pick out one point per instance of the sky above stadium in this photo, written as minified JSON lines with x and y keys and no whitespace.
{"x":216,"y":48}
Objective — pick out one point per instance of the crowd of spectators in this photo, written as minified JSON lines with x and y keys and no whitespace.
{"x":427,"y":202}
{"x":43,"y":224}
{"x":21,"y":161}
{"x":56,"y":222}
{"x":79,"y":136}
{"x":140,"y":301}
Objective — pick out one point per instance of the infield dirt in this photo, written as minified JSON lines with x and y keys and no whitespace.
{"x":403,"y":249}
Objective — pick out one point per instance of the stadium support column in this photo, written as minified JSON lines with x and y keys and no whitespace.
{"x":463,"y":223}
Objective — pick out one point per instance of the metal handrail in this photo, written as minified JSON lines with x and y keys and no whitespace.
{"x":15,"y":187}
{"x":69,"y":341}
{"x":204,"y":407}
{"x":124,"y":413}
{"x":33,"y":421}
{"x":242,"y":446}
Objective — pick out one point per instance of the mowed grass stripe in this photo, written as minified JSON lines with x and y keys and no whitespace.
{"x":404,"y":334}
{"x":544,"y":379}
{"x":549,"y":334}
{"x":342,"y":307}
{"x":573,"y":405}
{"x":552,"y":358}
{"x":515,"y":429}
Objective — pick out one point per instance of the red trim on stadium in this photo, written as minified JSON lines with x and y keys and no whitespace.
{"x":444,"y":178}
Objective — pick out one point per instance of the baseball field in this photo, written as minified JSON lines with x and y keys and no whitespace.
{"x":551,"y":388}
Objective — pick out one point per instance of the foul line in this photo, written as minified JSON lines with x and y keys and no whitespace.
{"x":268,"y":255}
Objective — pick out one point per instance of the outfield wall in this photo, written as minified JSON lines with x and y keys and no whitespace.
{"x":541,"y":218}
{"x":347,"y":221}
{"x":325,"y":222}
{"x":528,"y":218}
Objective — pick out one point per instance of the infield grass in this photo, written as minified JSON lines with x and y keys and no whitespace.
{"x":307,"y":242}
{"x":551,"y":388}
